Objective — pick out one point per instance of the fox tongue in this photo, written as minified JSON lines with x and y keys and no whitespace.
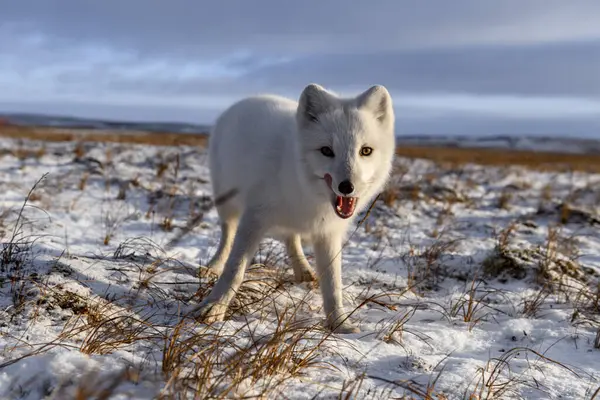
{"x":345,"y":204}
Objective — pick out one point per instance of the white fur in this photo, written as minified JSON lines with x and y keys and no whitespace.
{"x":267,"y":149}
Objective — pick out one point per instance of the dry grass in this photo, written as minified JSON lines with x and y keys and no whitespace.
{"x":546,"y":161}
{"x":498,"y":380}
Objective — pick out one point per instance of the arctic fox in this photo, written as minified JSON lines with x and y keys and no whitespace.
{"x":297,"y":170}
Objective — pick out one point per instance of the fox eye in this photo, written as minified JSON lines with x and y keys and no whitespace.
{"x":326,"y":151}
{"x":366,"y":151}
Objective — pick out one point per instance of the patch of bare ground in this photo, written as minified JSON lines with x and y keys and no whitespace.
{"x":548,"y":161}
{"x":103,"y":136}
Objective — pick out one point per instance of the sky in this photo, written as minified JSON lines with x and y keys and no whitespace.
{"x":452,"y":67}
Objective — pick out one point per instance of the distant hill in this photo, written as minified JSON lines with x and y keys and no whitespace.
{"x":514,"y":142}
{"x":85,"y":123}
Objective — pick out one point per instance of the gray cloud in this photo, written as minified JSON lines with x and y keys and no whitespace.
{"x":543,"y":70}
{"x":198,"y":28}
{"x":174,"y":56}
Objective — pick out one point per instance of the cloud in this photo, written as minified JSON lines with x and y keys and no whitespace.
{"x":526,"y":60}
{"x":549,"y":69}
{"x":192,"y":28}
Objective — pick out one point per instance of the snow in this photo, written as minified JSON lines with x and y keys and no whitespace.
{"x":92,"y":293}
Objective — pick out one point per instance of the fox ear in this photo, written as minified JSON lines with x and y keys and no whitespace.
{"x":378,"y":101}
{"x":314,"y":101}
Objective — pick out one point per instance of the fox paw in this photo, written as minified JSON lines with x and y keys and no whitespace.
{"x":209,"y":312}
{"x":209,"y":272}
{"x":304,"y":275}
{"x":345,"y":328}
{"x":342,"y":324}
{"x":303,"y":272}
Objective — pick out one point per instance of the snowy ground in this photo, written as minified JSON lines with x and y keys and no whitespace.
{"x":467,"y":282}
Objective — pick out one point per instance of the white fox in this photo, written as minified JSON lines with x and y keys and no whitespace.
{"x":297,"y":170}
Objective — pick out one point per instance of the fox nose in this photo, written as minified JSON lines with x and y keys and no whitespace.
{"x":346,"y":187}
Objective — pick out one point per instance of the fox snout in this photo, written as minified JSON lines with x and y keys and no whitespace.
{"x":346,"y":187}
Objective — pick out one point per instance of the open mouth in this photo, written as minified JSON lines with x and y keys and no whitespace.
{"x":344,"y":206}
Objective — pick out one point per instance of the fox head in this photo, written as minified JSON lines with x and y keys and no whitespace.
{"x":347,"y":145}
